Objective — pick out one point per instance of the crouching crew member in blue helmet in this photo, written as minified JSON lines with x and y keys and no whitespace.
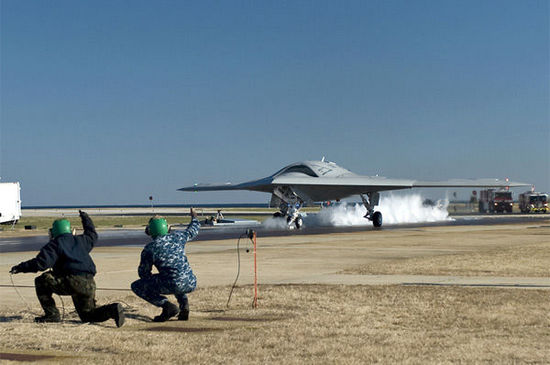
{"x":167,"y":253}
{"x":72,"y":273}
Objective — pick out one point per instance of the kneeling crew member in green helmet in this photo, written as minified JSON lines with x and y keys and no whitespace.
{"x":72,"y":274}
{"x":167,"y":253}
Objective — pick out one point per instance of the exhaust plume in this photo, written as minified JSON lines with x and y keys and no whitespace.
{"x":395,"y":209}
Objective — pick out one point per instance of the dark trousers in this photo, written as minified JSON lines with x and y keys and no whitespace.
{"x":152,"y":289}
{"x":80,"y":287}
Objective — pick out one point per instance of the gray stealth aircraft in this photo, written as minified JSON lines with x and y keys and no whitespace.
{"x":319,"y":181}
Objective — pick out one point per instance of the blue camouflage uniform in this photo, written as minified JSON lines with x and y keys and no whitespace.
{"x":167,"y":254}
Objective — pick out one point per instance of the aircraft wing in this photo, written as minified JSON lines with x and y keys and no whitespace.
{"x":467,"y":183}
{"x":331,"y":188}
{"x":377,"y":183}
{"x":321,"y":188}
{"x":254,"y":185}
{"x":356,"y":183}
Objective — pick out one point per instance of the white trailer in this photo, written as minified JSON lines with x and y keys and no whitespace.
{"x":10,"y":203}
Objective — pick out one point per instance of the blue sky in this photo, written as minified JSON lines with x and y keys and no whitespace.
{"x":108,"y":102}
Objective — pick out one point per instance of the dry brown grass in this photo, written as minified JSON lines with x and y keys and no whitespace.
{"x":527,"y":255}
{"x":309,"y":324}
{"x":334,"y":324}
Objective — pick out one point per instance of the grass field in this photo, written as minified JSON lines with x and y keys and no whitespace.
{"x":311,"y":324}
{"x":42,"y":224}
{"x":524,"y":258}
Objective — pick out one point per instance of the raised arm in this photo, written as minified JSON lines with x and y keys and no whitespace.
{"x":89,"y":230}
{"x":192,"y":229}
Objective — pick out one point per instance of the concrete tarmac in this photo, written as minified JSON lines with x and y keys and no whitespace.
{"x":303,"y":258}
{"x":136,"y":237}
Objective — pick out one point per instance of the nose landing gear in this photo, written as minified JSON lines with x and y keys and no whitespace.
{"x":290,"y":204}
{"x":297,"y":221}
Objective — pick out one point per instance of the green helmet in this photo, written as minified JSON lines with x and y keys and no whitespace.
{"x":60,"y":226}
{"x":157,"y":227}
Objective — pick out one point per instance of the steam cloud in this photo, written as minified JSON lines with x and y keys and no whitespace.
{"x":395,"y":209}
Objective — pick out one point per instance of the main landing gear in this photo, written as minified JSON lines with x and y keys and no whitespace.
{"x":370,"y":203}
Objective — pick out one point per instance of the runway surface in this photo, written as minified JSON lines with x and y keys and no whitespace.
{"x":505,"y":252}
{"x":138,"y":238}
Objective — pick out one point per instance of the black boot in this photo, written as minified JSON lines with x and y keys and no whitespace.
{"x":184,"y":310}
{"x":47,"y":318}
{"x":169,"y":310}
{"x":184,"y":315}
{"x":118,"y":314}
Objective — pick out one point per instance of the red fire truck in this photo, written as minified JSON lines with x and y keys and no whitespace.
{"x":495,"y":201}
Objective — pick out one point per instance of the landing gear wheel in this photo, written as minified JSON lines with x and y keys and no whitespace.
{"x":298,"y":222}
{"x":377,"y":219}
